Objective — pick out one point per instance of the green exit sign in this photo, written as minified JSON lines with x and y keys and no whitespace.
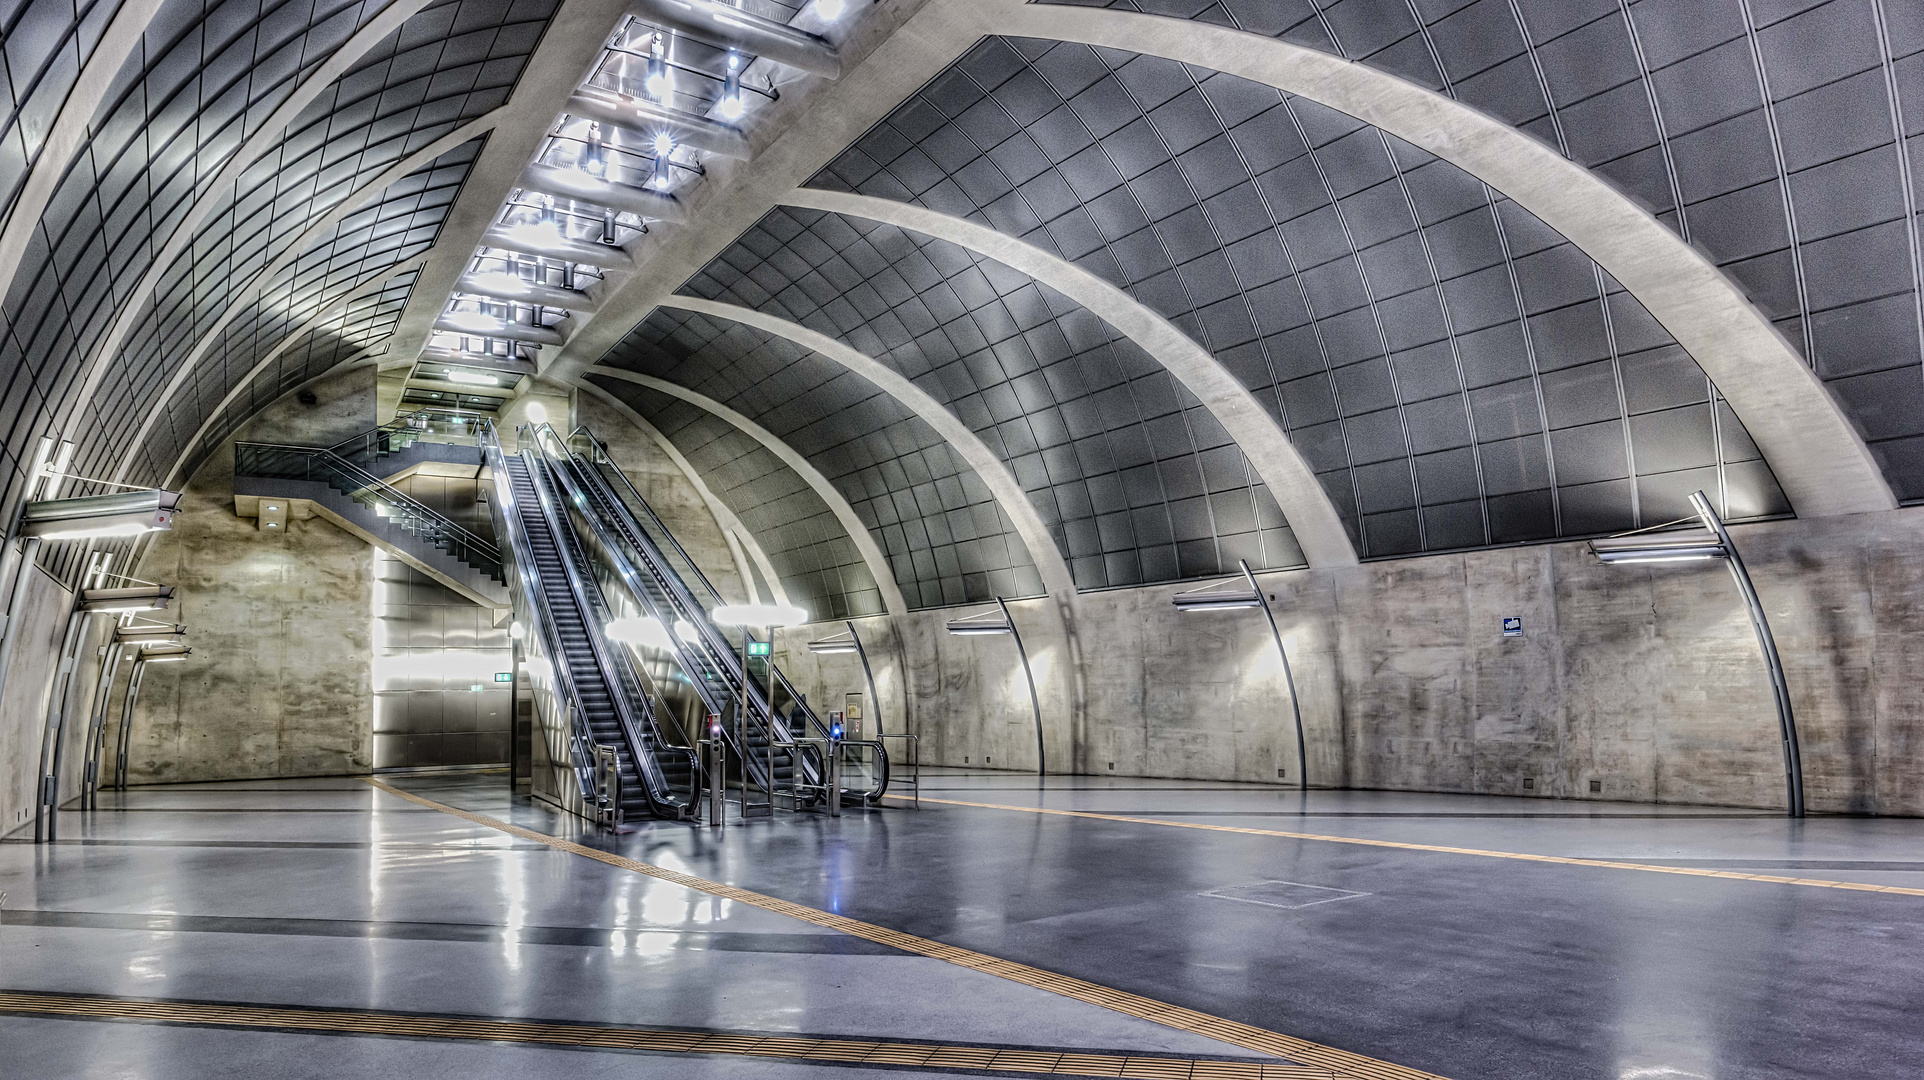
{"x":758,"y":648}
{"x":504,"y":676}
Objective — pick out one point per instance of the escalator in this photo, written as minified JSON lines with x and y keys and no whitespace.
{"x":639,"y":556}
{"x":597,"y":714}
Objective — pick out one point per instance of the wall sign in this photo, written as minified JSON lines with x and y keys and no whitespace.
{"x":1512,"y":626}
{"x":759,"y":648}
{"x":504,"y":676}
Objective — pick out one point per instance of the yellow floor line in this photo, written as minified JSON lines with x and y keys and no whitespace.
{"x":467,"y":1028}
{"x":1607,"y":864}
{"x":1340,"y":1063}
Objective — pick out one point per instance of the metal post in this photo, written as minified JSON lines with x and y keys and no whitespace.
{"x":97,"y":725}
{"x":1773,"y":664}
{"x":1295,"y":706}
{"x":127,"y":722}
{"x":1035,"y":704}
{"x":768,"y":777}
{"x":874,"y":700}
{"x":717,"y":773}
{"x":10,"y":628}
{"x":834,"y":773}
{"x":46,"y":813}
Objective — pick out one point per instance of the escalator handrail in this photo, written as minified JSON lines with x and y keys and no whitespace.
{"x":528,"y":576}
{"x":639,"y":538}
{"x":654,"y":784}
{"x":601,"y":449}
{"x":678,"y":594}
{"x":607,"y":651}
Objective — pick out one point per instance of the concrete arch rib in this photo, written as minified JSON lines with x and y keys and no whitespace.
{"x":1307,"y":507}
{"x":1001,"y":483}
{"x":70,"y":129}
{"x":742,"y":544}
{"x":209,"y":198}
{"x":865,"y":545}
{"x":1819,"y":458}
{"x":365,"y":194}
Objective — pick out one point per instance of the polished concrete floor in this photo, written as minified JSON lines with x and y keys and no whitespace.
{"x":1468,"y":964}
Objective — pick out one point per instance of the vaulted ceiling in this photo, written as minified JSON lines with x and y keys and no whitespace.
{"x":1041,"y":296}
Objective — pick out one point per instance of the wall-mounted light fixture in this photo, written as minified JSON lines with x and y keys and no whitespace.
{"x":1710,"y":541}
{"x":128,"y":598}
{"x":997,"y":620}
{"x":645,"y":631}
{"x":1227,"y":596}
{"x":122,"y":513}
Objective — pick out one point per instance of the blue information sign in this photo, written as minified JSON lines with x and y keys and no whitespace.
{"x":1512,"y":626}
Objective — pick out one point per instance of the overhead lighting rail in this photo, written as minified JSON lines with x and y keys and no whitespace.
{"x":674,"y":84}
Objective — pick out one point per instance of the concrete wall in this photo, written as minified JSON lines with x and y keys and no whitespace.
{"x":436,"y":654}
{"x":1644,"y":680}
{"x":280,"y":623}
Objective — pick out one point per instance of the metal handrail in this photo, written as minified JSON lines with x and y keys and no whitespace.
{"x":655,"y":785}
{"x":686,"y":608}
{"x":528,"y":577}
{"x":601,"y":449}
{"x":404,"y":424}
{"x":719,"y":648}
{"x":363,"y":482}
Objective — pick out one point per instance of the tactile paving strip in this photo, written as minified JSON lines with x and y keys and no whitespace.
{"x":1326,"y":1060}
{"x":582,"y":1036}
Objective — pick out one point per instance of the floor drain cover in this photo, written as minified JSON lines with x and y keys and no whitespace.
{"x":1283,"y":894}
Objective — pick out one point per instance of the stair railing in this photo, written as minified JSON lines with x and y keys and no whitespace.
{"x":313,"y":463}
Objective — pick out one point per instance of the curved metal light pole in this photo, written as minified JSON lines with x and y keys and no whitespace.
{"x":1216,"y":598}
{"x":971,"y":626}
{"x":1712,"y":541}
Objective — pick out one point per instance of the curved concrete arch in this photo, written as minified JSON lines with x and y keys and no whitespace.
{"x":1001,"y":483}
{"x":1818,"y":457}
{"x":70,"y":129}
{"x":367,"y":193}
{"x":1313,"y":518}
{"x":865,"y":545}
{"x":319,"y":319}
{"x":212,"y":196}
{"x":742,"y":544}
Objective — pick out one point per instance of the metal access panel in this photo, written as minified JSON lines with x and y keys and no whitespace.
{"x":437,"y":655}
{"x":854,"y":719}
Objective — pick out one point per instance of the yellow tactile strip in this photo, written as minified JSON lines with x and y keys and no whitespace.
{"x":1326,"y":1059}
{"x":415,"y":1025}
{"x":1562,"y":860}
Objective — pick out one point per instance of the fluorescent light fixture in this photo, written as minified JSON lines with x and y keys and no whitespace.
{"x":981,"y":624}
{"x":123,"y":513}
{"x":759,"y":615}
{"x":645,"y":631}
{"x":731,"y":99}
{"x":471,"y":378}
{"x":157,"y":654}
{"x":686,"y":631}
{"x":1676,"y":545}
{"x":843,"y":642}
{"x":135,"y":598}
{"x":1219,"y":597}
{"x":149,"y":634}
{"x":831,"y":10}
